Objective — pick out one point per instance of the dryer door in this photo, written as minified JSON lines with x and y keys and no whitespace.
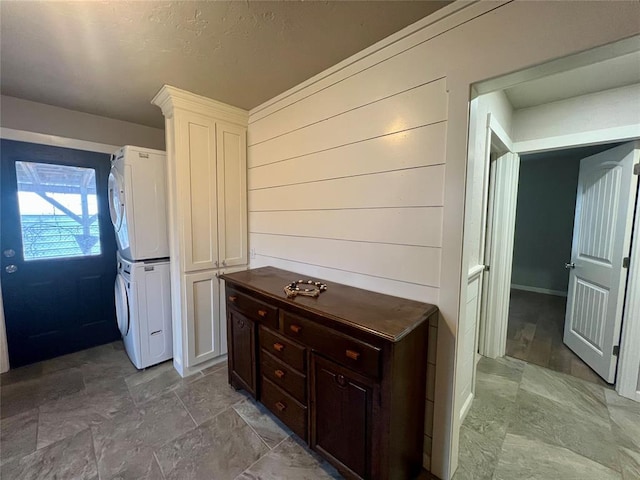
{"x":116,"y":199}
{"x":123,"y":313}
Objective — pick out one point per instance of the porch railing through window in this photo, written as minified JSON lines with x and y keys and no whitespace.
{"x":58,"y":210}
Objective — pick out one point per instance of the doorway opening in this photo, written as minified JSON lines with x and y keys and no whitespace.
{"x":574,"y":107}
{"x":543,"y":239}
{"x":57,"y":251}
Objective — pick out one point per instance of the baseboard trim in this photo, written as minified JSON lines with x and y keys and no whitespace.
{"x":526,"y":288}
{"x":466,"y":406}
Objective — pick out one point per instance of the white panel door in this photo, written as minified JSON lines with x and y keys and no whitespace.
{"x":232,"y":193}
{"x":601,"y":239}
{"x":202,"y":300}
{"x":197,"y":191}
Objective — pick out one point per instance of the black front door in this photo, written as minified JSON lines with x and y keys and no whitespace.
{"x":58,"y":251}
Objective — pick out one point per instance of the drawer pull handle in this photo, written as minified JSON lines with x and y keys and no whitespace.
{"x":278,"y":347}
{"x":295,"y":328}
{"x":279,"y":373}
{"x":281,"y":406}
{"x":352,"y":354}
{"x":233,"y":298}
{"x":262,"y":313}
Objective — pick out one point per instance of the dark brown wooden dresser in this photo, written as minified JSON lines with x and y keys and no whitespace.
{"x":346,"y":371}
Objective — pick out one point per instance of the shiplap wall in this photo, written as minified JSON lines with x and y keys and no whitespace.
{"x":358,"y":175}
{"x":355,"y":196}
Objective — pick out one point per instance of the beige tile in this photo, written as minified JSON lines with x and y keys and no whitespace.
{"x":291,"y":460}
{"x":208,"y":396}
{"x":535,"y":460}
{"x":18,"y":435}
{"x":270,"y":429}
{"x":539,"y":418}
{"x":71,"y":458}
{"x":127,"y":441}
{"x":221,"y":448}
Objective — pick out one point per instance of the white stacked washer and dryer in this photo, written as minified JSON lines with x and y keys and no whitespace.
{"x":137,"y":202}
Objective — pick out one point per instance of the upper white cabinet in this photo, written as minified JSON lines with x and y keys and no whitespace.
{"x":207,"y":186}
{"x":232,"y":194}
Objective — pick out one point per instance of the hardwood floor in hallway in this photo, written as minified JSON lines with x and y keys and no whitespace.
{"x":535,"y":331}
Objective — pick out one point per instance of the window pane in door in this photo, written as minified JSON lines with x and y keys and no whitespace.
{"x":58,"y":210}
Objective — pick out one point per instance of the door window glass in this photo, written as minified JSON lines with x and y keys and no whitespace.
{"x":58,"y":210}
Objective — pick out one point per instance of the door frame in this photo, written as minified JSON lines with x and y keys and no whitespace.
{"x":54,"y":141}
{"x":627,"y":377}
{"x":498,"y":227}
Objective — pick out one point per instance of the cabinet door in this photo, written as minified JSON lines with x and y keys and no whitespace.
{"x":232,"y":193}
{"x":197,"y":190}
{"x":341,"y":402}
{"x":202,"y":295}
{"x":242,"y":351}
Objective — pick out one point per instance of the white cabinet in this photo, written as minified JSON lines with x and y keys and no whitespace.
{"x":207,"y":186}
{"x":202,"y":295}
{"x":232,"y":194}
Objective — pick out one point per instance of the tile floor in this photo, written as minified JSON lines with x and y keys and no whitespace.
{"x":91,"y":415}
{"x":529,"y":422}
{"x":535,"y":332}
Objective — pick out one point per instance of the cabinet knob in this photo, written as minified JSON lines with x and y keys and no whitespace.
{"x":279,"y":373}
{"x":353,"y":355}
{"x":295,"y":328}
{"x":233,"y":298}
{"x":281,"y":406}
{"x":278,"y":347}
{"x":224,"y":263}
{"x":262,"y":313}
{"x":340,"y":380}
{"x":241,"y":323}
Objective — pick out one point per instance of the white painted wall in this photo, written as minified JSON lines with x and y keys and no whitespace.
{"x":27,"y":116}
{"x":346,"y":142}
{"x":544,"y":223}
{"x":566,"y":122}
{"x":496,"y":104}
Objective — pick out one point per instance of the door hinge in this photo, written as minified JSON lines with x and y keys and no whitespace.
{"x":625,"y":262}
{"x":487,"y":268}
{"x":616,"y":350}
{"x":636,"y":169}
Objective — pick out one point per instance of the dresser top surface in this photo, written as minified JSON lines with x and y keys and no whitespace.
{"x":382,"y":315}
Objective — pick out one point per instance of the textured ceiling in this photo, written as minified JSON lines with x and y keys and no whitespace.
{"x":110,"y":58}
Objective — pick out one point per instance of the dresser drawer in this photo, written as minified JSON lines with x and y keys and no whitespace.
{"x":253,"y":308}
{"x":284,"y":376}
{"x":280,"y":347}
{"x":346,"y":350}
{"x":285,"y":407}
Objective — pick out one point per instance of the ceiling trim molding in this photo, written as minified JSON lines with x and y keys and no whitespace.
{"x":56,"y":141}
{"x":582,"y":139}
{"x":443,"y":20}
{"x":170,"y":99}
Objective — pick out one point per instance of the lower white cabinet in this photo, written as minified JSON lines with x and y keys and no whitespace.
{"x":205,"y":317}
{"x":202,"y":302}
